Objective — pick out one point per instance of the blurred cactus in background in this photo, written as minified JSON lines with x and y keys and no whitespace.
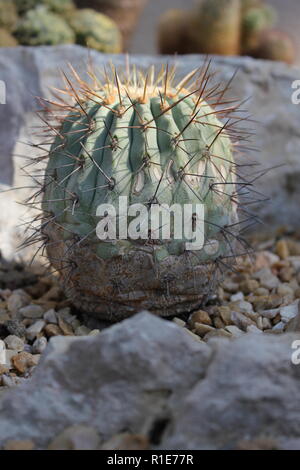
{"x":96,"y":31}
{"x":8,"y":15}
{"x":217,"y":26}
{"x":7,"y":39}
{"x":124,"y":12}
{"x":174,"y":32}
{"x":42,"y":27}
{"x":225,"y":27}
{"x":57,"y":6}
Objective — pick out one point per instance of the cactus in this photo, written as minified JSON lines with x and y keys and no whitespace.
{"x":143,"y":137}
{"x":254,"y":22}
{"x":247,"y":4}
{"x":8,"y":15}
{"x":56,"y":6}
{"x":174,"y":32}
{"x":276,"y":45}
{"x":217,"y":27}
{"x":96,"y":31}
{"x":6,"y":39}
{"x":124,"y":12}
{"x":41,"y":27}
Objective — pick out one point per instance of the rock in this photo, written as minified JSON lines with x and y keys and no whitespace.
{"x":200,"y":317}
{"x":14,"y":342}
{"x":33,"y":330}
{"x":267,"y":278}
{"x":225,"y":314}
{"x":16,"y":328}
{"x":253,"y":329}
{"x":266,"y":302}
{"x":23,"y":361}
{"x":285,"y":290}
{"x":96,"y":332}
{"x":52,"y":330}
{"x":201,"y":329}
{"x":76,"y":438}
{"x":271,"y":314}
{"x":126,"y":441}
{"x":4,"y":317}
{"x":65,"y":327}
{"x":236,"y":297}
{"x":17,"y":300}
{"x":249,"y":286}
{"x":245,"y":397}
{"x":176,"y":320}
{"x":279,"y":327}
{"x":50,"y":316}
{"x":234,"y":330}
{"x":82,"y":331}
{"x":282,"y":249}
{"x":19,"y":445}
{"x":241,"y":321}
{"x":268,"y":83}
{"x":32,"y":311}
{"x":125,"y":378}
{"x":289,"y":312}
{"x":39,"y":345}
{"x":294,"y":324}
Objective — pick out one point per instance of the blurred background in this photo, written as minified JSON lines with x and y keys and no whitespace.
{"x":266,"y":29}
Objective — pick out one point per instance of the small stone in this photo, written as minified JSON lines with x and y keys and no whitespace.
{"x":236,"y":297}
{"x":294,"y":247}
{"x":82,"y":331}
{"x":297,"y":293}
{"x":266,"y":324}
{"x":270,"y":314}
{"x":218,"y":323}
{"x":295,"y":262}
{"x":50,"y":316}
{"x":31,"y":311}
{"x":230,"y":286}
{"x":23,"y":361}
{"x":221,"y":333}
{"x":289,"y":312}
{"x":77,"y":437}
{"x":261,"y":291}
{"x":243,"y":306}
{"x":3,"y":369}
{"x":266,"y":302}
{"x":39,"y":345}
{"x":234,"y":330}
{"x":286,"y":274}
{"x":19,"y":445}
{"x":36,"y":328}
{"x":259,"y":323}
{"x":4,"y":317}
{"x":253,"y":329}
{"x":8,"y":381}
{"x":94,"y":332}
{"x":195,"y":337}
{"x":52,"y":330}
{"x":279,"y":327}
{"x":240,"y":320}
{"x":285,"y":289}
{"x":15,"y":327}
{"x":267,"y":278}
{"x":294,"y":324}
{"x":201,"y":329}
{"x":282,"y":249}
{"x":176,"y":320}
{"x":17,"y":300}
{"x":264,"y":259}
{"x":249,"y":286}
{"x":65,"y":327}
{"x":225,"y":314}
{"x":14,"y":342}
{"x":126,"y":441}
{"x":200,"y":317}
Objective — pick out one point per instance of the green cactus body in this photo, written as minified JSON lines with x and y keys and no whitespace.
{"x":56,"y":6}
{"x":96,"y":30}
{"x":8,"y":15}
{"x":154,"y":143}
{"x":41,"y":27}
{"x":217,"y":27}
{"x":254,"y":22}
{"x":7,"y":39}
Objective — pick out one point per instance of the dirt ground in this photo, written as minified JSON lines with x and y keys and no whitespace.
{"x":144,"y":41}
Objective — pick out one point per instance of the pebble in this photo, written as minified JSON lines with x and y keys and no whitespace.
{"x":253,"y":329}
{"x":261,"y":291}
{"x":23,"y":361}
{"x":266,"y":324}
{"x":65,"y":327}
{"x":199,"y":317}
{"x":82,"y":331}
{"x":15,"y":327}
{"x":234,"y":330}
{"x":32,"y":311}
{"x":33,"y":330}
{"x":217,"y":333}
{"x":279,"y":327}
{"x":289,"y":312}
{"x":3,"y":369}
{"x":8,"y":381}
{"x":271,"y":314}
{"x":282,"y":249}
{"x":201,"y":329}
{"x":4,"y":317}
{"x":96,"y":332}
{"x":52,"y":330}
{"x":240,"y":320}
{"x":14,"y":342}
{"x":285,"y":289}
{"x":225,"y":314}
{"x":230,"y":286}
{"x":249,"y":286}
{"x":266,"y":302}
{"x":50,"y":316}
{"x":18,"y":299}
{"x":178,"y":322}
{"x":236,"y":297}
{"x":39,"y":345}
{"x":195,"y":337}
{"x":218,"y":323}
{"x":267,"y":278}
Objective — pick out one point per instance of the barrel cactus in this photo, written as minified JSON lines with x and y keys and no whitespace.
{"x":174,"y":32}
{"x":141,"y":138}
{"x":254,"y":22}
{"x":57,"y":6}
{"x":96,"y":31}
{"x":42,"y":27}
{"x":8,"y":15}
{"x":276,"y":45}
{"x":217,"y":27}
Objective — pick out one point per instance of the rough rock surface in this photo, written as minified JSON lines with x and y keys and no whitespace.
{"x":29,"y":72}
{"x":148,"y":377}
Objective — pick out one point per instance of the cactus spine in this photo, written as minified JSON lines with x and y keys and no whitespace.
{"x":142,"y":136}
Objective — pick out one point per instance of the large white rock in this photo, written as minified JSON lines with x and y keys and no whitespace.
{"x":148,"y":376}
{"x":29,"y":72}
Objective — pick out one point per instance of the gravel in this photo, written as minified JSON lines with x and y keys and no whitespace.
{"x":260,"y":296}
